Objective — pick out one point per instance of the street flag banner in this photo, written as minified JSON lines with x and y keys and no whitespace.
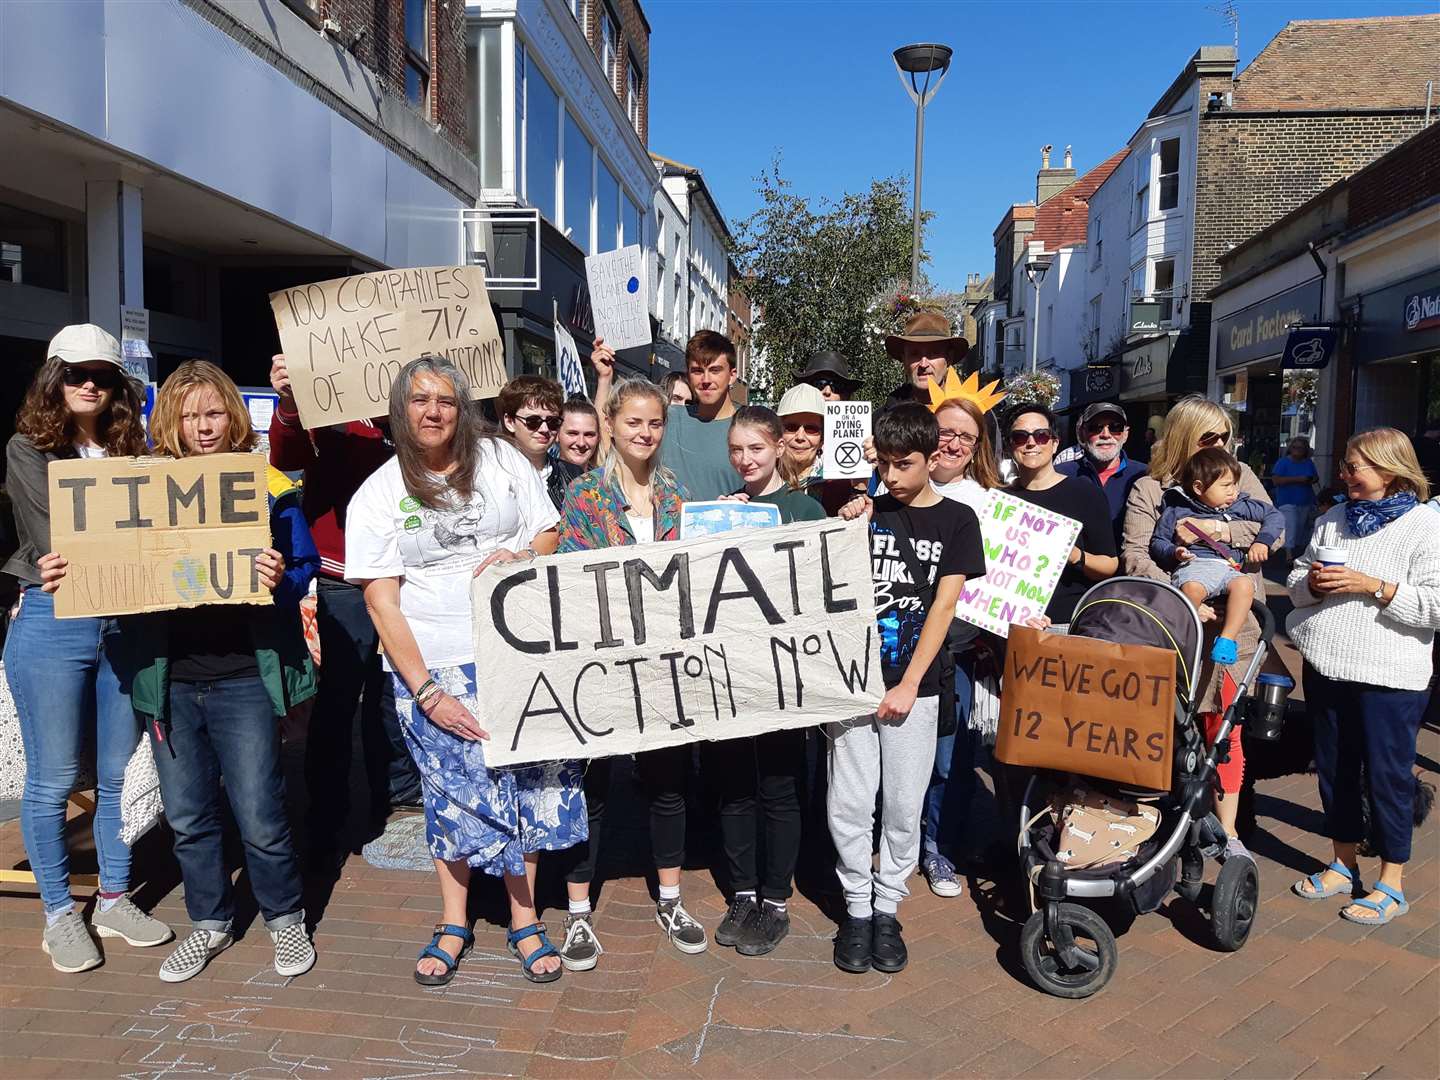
{"x":345,"y":340}
{"x":1026,"y":547}
{"x":594,"y":653}
{"x":151,"y":533}
{"x":725,"y":515}
{"x":619,"y":300}
{"x":847,"y":426}
{"x":567,"y":363}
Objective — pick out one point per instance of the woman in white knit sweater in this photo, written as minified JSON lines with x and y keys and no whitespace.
{"x":1365,"y":629}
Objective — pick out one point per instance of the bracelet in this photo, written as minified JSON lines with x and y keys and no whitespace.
{"x":429,"y":699}
{"x":420,"y":691}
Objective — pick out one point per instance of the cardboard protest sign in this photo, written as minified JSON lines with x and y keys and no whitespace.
{"x":567,"y":363}
{"x":346,"y":339}
{"x":1091,"y":707}
{"x":619,"y":300}
{"x":725,"y":515}
{"x":847,"y":426}
{"x":594,"y":653}
{"x":1025,"y":551}
{"x":150,"y":533}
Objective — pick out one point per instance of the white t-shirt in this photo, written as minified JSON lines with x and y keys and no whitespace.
{"x":435,"y":552}
{"x":88,"y":450}
{"x":643,"y":526}
{"x":964,"y":490}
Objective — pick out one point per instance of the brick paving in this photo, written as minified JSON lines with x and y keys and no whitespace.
{"x":1309,"y":995}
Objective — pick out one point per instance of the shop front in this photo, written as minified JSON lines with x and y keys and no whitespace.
{"x":1145,"y":380}
{"x":1396,"y":353}
{"x":1271,"y":405}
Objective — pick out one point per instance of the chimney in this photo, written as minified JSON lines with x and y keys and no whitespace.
{"x":1049,"y":181}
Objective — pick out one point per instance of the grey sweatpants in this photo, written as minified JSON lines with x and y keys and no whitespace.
{"x":868,"y":756}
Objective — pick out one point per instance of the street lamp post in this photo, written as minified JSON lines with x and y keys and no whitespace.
{"x":911,"y":63}
{"x":1035,"y":268}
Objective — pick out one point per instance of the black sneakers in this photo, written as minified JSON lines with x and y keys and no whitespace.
{"x":853,"y":945}
{"x":731,"y":928}
{"x":763,"y":930}
{"x":888,"y":952}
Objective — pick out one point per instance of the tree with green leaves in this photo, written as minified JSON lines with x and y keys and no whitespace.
{"x":827,"y":275}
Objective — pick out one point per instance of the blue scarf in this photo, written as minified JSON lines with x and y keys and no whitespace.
{"x":1367,"y":516}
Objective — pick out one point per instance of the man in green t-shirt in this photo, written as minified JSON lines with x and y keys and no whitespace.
{"x":695,"y":447}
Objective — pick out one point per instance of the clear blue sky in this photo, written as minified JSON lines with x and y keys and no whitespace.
{"x":734,"y":83}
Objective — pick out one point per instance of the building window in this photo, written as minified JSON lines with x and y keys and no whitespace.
{"x":173,"y":284}
{"x":632,"y":94}
{"x":1169,"y":174}
{"x":1095,"y":329}
{"x":607,"y":209}
{"x":1165,"y":288}
{"x":1137,"y":282}
{"x":631,"y":229}
{"x":660,"y":284}
{"x":542,"y":143}
{"x":309,"y":10}
{"x":484,"y":66}
{"x":578,"y":8}
{"x":578,"y":186}
{"x":1142,"y":206}
{"x":417,"y":51}
{"x":32,"y":249}
{"x":610,"y":48}
{"x":997,"y":341}
{"x":1099,"y":243}
{"x":678,"y":294}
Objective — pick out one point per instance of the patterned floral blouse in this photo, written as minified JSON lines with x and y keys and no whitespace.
{"x":594,"y":513}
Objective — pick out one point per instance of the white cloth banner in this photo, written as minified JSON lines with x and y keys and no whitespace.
{"x":594,"y":653}
{"x":1025,"y":551}
{"x":567,"y":363}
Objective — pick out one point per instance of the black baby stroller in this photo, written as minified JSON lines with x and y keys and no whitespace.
{"x":1083,"y":838}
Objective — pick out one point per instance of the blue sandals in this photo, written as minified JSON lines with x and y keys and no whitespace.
{"x":1316,"y":891}
{"x":527,"y":963}
{"x":1389,"y":907}
{"x":434,"y":952}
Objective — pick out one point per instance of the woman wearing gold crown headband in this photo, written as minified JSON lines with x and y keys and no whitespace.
{"x":965,"y":470}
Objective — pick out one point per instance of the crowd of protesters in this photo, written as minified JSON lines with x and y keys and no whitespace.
{"x":393,"y":515}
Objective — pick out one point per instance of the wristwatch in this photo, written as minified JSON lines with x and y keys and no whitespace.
{"x":1379,"y":593}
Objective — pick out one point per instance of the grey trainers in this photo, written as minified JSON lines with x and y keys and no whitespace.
{"x":192,"y":954}
{"x":680,"y":927}
{"x":125,"y":920}
{"x":582,"y":948}
{"x":69,"y":945}
{"x":294,"y":952}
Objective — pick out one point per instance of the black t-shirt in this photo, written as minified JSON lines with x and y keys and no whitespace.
{"x":211,"y":643}
{"x":947,"y":542}
{"x":1086,"y":503}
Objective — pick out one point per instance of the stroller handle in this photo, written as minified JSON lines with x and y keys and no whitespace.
{"x":1266,"y":620}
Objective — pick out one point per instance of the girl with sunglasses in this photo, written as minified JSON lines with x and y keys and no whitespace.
{"x":531,"y":411}
{"x":1193,"y":424}
{"x":1032,"y":433}
{"x":62,"y":673}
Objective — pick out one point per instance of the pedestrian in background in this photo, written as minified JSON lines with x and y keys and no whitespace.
{"x":631,"y":499}
{"x":1295,"y":481}
{"x":676,"y":389}
{"x":336,"y":459}
{"x":63,"y":672}
{"x":829,"y":372}
{"x":1367,"y":606}
{"x":450,"y":503}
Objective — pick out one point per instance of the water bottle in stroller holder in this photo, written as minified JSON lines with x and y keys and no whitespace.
{"x":1264,"y":710}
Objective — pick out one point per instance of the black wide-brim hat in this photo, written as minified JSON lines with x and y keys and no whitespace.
{"x":833,"y":365}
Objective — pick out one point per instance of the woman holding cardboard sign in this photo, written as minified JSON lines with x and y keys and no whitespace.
{"x":1367,"y":605}
{"x":61,"y":672}
{"x":450,"y":503}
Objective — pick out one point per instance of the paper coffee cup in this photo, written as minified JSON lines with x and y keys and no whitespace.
{"x":1331,"y":556}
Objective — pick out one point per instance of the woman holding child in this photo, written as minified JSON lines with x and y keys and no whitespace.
{"x":1192,"y":425}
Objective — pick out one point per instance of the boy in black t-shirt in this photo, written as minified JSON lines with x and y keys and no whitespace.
{"x":893,"y":750}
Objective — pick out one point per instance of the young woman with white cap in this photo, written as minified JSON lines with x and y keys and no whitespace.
{"x":67,"y":693}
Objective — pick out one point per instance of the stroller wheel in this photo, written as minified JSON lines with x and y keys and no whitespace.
{"x":1075,"y":958}
{"x":1234,"y":903}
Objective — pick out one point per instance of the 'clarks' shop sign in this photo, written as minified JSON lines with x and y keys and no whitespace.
{"x":1260,"y":330}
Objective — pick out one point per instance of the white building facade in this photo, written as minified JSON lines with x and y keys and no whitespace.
{"x":707,"y":277}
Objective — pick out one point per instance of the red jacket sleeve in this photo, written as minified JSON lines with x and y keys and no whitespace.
{"x":290,"y":446}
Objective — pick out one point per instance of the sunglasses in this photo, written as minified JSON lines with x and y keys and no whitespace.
{"x":534,"y":423}
{"x":1211,"y":438}
{"x":964,"y":438}
{"x":1107,"y":428}
{"x":824,"y":384}
{"x":1349,"y":469}
{"x":1042,"y":436}
{"x":810,"y":429}
{"x":106,"y":378}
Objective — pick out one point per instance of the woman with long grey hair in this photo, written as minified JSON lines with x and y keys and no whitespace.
{"x":451,"y":502}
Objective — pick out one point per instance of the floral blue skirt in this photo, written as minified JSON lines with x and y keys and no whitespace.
{"x":491,"y":818}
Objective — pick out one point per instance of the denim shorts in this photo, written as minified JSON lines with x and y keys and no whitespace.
{"x":1215,"y":574}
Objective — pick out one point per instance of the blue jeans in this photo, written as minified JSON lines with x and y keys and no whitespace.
{"x":68,"y":696}
{"x":952,"y":782}
{"x":227,"y":729}
{"x":351,"y":677}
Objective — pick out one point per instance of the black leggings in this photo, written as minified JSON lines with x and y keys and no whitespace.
{"x":662,"y":774}
{"x":768,"y":770}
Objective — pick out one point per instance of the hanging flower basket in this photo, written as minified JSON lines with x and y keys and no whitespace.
{"x":1038,"y":387}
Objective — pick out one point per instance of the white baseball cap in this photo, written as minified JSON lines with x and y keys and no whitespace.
{"x":84,"y":343}
{"x":802,"y":398}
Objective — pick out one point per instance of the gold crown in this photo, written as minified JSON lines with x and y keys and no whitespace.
{"x":970,"y":390}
